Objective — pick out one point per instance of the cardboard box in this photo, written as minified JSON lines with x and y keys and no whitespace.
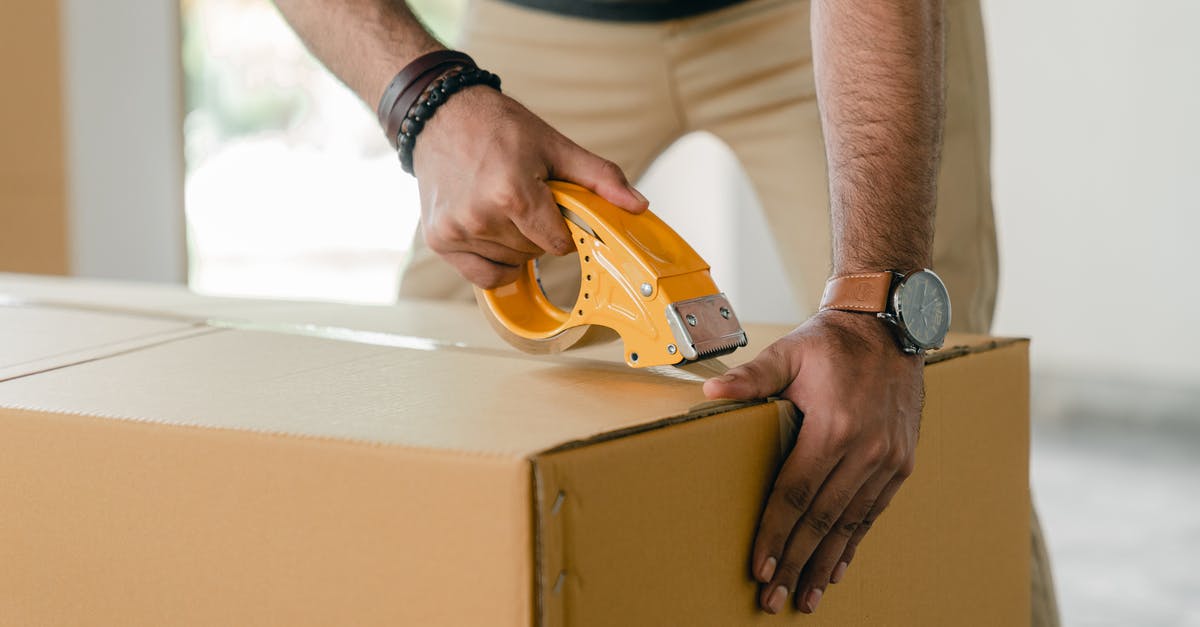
{"x":256,"y":473}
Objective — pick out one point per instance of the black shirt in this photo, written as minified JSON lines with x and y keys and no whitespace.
{"x":627,"y":10}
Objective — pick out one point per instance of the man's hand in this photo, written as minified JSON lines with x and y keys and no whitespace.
{"x":861,"y":400}
{"x":482,"y":164}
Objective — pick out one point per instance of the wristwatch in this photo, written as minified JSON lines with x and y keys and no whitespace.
{"x":916,"y":305}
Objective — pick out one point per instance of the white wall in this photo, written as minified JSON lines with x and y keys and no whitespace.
{"x":124,"y":138}
{"x":1096,"y":113}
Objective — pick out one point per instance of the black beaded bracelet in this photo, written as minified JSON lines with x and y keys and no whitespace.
{"x":439,"y":91}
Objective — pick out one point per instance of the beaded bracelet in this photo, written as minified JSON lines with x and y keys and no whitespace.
{"x":439,"y":91}
{"x":408,"y":85}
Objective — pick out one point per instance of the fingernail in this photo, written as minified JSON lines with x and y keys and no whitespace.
{"x":638,"y":195}
{"x":813,"y":598}
{"x":767,"y":571}
{"x":839,"y":571}
{"x":776,"y":600}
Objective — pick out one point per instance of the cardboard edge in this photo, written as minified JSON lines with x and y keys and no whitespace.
{"x":959,"y":350}
{"x":702,"y":410}
{"x":789,"y":425}
{"x":538,"y":541}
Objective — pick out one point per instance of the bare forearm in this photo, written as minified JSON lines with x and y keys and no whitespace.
{"x":879,"y":72}
{"x":363,"y":42}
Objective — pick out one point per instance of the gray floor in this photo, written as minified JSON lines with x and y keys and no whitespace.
{"x":1117,"y":489}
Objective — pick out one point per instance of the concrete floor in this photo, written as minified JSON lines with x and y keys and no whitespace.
{"x":1119,"y":498}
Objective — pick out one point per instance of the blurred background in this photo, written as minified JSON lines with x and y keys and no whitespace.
{"x":200,"y":142}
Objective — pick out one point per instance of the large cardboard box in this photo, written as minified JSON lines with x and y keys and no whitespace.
{"x":367,"y":468}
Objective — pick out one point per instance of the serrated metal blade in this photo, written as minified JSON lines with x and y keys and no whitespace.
{"x":707,"y":368}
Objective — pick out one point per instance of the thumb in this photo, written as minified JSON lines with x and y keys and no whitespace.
{"x":766,"y":375}
{"x":605,"y":178}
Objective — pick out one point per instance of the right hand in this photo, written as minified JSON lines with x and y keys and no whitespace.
{"x":481,"y":164}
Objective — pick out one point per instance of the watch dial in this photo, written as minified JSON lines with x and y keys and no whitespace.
{"x":923,"y":306}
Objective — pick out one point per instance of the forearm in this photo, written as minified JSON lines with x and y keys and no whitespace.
{"x":363,"y":42}
{"x":879,"y":74}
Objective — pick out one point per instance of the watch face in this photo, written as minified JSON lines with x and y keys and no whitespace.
{"x":923,"y":307}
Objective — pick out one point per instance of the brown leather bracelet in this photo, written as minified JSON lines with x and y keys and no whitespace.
{"x":410,"y":82}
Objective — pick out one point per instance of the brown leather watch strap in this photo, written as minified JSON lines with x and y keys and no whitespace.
{"x":867,"y":292}
{"x":404,"y":90}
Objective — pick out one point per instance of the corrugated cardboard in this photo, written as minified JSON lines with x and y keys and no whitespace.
{"x":258,"y":474}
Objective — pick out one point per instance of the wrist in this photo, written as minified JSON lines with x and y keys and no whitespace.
{"x":914,"y":304}
{"x":379,"y":73}
{"x":412,"y":83}
{"x":439,"y":93}
{"x":864,"y":329}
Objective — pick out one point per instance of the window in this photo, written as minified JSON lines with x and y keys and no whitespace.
{"x":291,"y":189}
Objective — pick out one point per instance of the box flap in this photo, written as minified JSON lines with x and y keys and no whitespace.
{"x":361,"y":364}
{"x":308,"y":386}
{"x":34,"y":339}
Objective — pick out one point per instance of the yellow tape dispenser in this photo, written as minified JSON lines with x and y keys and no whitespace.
{"x":638,"y":277}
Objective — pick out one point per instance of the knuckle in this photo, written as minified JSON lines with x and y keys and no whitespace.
{"x":880,"y":452}
{"x":608,"y":168}
{"x":819,"y":522}
{"x":435,"y":243}
{"x":843,"y":434}
{"x":848,"y":527}
{"x":440,"y":233}
{"x":475,"y":222}
{"x":797,"y":496}
{"x":907,"y":466}
{"x":507,"y":198}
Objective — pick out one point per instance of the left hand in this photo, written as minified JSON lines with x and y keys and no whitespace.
{"x":861,"y":400}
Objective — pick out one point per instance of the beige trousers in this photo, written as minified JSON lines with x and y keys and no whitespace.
{"x":627,"y":91}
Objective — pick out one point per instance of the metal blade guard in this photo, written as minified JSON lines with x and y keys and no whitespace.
{"x":638,"y":278}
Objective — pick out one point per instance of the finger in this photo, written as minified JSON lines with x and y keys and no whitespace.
{"x":498,"y":241}
{"x":881,"y":503}
{"x":541,"y":221}
{"x":572,"y":163}
{"x":813,"y":525}
{"x":511,"y":238}
{"x":767,"y":374}
{"x":794,"y":492}
{"x":493,"y":252}
{"x":483,"y":272}
{"x":820,"y":568}
{"x":796,"y":486}
{"x":497,"y":226}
